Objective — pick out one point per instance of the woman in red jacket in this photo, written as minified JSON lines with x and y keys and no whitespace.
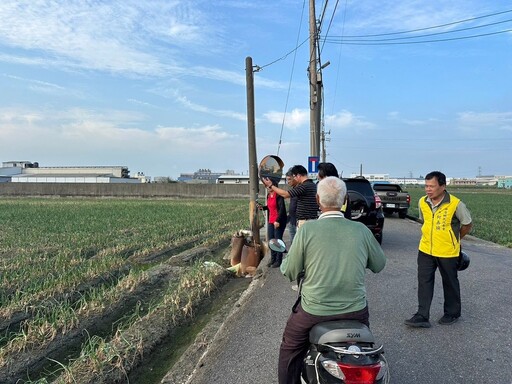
{"x":276,"y":217}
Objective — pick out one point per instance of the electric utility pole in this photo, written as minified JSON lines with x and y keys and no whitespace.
{"x":323,"y":140}
{"x":315,"y":98}
{"x":253,"y":165}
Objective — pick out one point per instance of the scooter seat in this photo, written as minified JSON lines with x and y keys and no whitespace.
{"x":340,"y":331}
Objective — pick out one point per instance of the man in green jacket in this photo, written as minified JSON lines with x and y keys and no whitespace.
{"x":333,"y":253}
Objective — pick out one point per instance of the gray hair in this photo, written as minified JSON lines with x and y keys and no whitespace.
{"x":331,"y":192}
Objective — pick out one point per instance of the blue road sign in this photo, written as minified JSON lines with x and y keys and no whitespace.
{"x":313,"y":164}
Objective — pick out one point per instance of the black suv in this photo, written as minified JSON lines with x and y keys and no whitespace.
{"x":365,"y":206}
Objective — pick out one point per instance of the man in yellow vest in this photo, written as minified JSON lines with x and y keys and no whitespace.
{"x":446,"y":220}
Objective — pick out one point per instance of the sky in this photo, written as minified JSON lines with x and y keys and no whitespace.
{"x":160,"y":86}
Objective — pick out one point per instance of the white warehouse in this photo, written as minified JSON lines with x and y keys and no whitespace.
{"x":28,"y":172}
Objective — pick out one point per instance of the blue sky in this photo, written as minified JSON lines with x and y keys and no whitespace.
{"x":160,"y":86}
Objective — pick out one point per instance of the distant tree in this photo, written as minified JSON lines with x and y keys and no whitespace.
{"x":164,"y":180}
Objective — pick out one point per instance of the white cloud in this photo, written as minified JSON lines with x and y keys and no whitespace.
{"x":183,"y":100}
{"x":113,"y":36}
{"x":346,"y":119}
{"x":234,"y":77}
{"x":125,"y":37}
{"x":293,"y":120}
{"x":395,"y":116}
{"x":113,"y":137}
{"x":299,"y":118}
{"x":391,"y":15}
{"x":181,"y":62}
{"x":37,"y":83}
{"x":485,"y":118}
{"x":193,"y":138}
{"x":43,"y":87}
{"x":143,"y":103}
{"x":484,"y":122}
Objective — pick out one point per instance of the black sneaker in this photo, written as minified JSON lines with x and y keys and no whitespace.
{"x":275,"y":264}
{"x":448,"y":319}
{"x":417,"y":321}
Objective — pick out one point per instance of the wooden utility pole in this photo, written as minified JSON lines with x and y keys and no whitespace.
{"x":253,"y":164}
{"x":314,"y":94}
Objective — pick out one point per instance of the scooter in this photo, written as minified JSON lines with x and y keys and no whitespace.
{"x":342,"y":351}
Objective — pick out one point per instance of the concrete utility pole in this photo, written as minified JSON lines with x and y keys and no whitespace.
{"x":315,"y":97}
{"x":323,"y":140}
{"x":253,"y":163}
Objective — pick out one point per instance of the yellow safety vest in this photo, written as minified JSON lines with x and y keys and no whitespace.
{"x":438,"y":237}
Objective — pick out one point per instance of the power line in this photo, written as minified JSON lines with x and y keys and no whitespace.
{"x":259,"y":68}
{"x":344,"y":39}
{"x":432,"y":27}
{"x":369,"y":42}
{"x":320,"y":22}
{"x":291,"y":76}
{"x":338,"y":70}
{"x":330,"y":22}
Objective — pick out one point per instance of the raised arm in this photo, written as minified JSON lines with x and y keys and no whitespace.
{"x":271,"y":187}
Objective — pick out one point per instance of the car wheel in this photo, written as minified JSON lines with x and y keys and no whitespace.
{"x":402,"y":214}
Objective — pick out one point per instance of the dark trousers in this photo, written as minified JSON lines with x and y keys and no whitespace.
{"x":295,"y":343}
{"x":275,"y":233}
{"x":427,"y":266}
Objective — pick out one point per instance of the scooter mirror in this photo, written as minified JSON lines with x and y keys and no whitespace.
{"x":277,"y":245}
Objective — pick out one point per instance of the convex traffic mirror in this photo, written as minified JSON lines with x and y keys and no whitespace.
{"x":271,"y":167}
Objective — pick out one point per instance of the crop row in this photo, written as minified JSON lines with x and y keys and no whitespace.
{"x":111,"y":360}
{"x":68,"y":265}
{"x":50,"y":246}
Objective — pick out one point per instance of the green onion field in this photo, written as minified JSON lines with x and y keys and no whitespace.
{"x":88,"y":286}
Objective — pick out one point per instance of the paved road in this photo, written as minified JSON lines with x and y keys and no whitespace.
{"x":477,"y":349}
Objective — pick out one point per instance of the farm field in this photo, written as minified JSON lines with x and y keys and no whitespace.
{"x":89,"y":287}
{"x":491,"y":211}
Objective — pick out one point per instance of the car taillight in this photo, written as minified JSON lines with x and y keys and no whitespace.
{"x":359,"y":374}
{"x":408,"y":199}
{"x":378,"y":201}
